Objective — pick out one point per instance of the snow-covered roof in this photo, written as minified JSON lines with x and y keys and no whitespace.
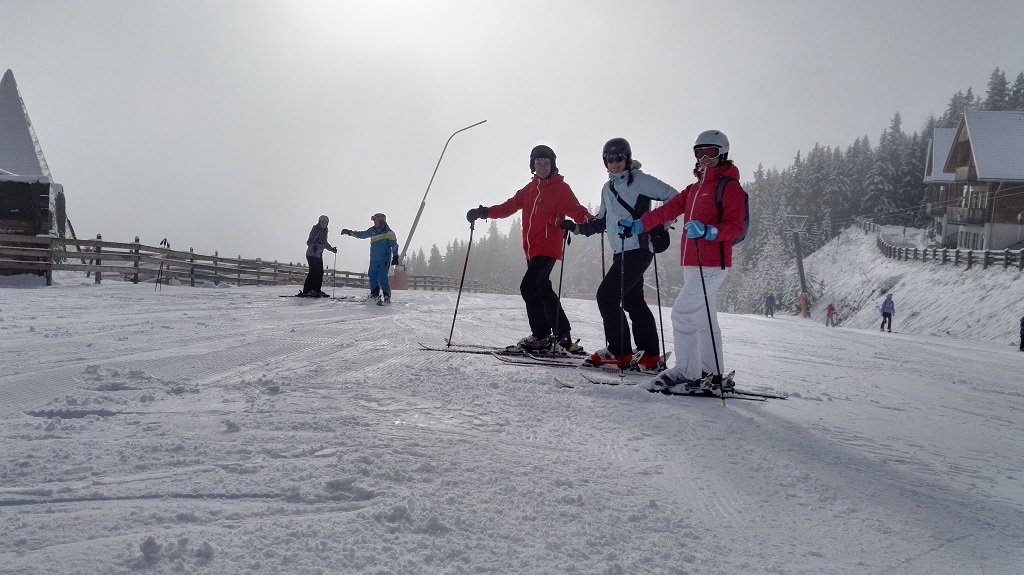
{"x":938,"y":149}
{"x":20,"y":153}
{"x":996,"y":142}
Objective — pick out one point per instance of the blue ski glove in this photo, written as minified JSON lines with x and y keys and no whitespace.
{"x":628,"y":227}
{"x":696,"y":230}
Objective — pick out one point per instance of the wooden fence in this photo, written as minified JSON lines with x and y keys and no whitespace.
{"x":969,"y":258}
{"x":136,"y":262}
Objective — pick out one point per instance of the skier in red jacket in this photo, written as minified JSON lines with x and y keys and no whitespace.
{"x":545,"y":203}
{"x":706,"y":256}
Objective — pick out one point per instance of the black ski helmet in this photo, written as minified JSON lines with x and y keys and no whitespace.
{"x":543,"y":151}
{"x":617,"y":146}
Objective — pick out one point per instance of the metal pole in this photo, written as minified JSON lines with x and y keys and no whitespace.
{"x":423,"y":202}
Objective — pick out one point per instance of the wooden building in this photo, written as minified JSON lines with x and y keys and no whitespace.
{"x":27,"y":191}
{"x":975,"y":174}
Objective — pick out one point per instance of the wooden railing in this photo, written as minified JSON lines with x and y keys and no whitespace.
{"x":136,"y":262}
{"x":1003,"y":258}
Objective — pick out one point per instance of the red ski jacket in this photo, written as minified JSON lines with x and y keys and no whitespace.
{"x":545,"y":204}
{"x":697,"y":202}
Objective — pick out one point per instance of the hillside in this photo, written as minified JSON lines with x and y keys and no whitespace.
{"x":931,"y":299}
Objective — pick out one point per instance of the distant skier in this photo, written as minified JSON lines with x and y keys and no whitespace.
{"x":383,"y":255}
{"x":1022,"y":333}
{"x":888,"y":308}
{"x":769,"y":305}
{"x":315,"y":246}
{"x":830,"y":316}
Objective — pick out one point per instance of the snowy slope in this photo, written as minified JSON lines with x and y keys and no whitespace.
{"x":229,"y":431}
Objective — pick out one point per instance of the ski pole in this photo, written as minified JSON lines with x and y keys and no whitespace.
{"x":334,"y":274}
{"x":661,"y":326}
{"x":711,"y":328}
{"x":472,"y":226}
{"x":622,"y":298}
{"x":558,"y":308}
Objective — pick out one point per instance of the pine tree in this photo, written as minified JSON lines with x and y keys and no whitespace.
{"x":1016,"y":99}
{"x":998,"y":95}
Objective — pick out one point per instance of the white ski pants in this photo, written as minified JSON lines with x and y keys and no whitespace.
{"x":691,"y":331}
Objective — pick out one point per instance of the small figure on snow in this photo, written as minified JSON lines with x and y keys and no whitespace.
{"x":830,"y":316}
{"x":1022,"y":333}
{"x":315,"y":246}
{"x":769,"y":305}
{"x":627,"y":193}
{"x":706,"y":254}
{"x":545,"y":202}
{"x":383,"y":255}
{"x":888,"y":309}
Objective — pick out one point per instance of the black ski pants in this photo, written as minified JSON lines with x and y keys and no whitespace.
{"x":542,"y":306}
{"x":315,"y":277}
{"x":627,"y":270}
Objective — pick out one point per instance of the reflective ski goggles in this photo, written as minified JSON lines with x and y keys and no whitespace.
{"x":614,"y":158}
{"x":710,"y":152}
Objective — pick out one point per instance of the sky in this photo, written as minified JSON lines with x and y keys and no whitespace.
{"x":141,"y":436}
{"x":230,"y":126}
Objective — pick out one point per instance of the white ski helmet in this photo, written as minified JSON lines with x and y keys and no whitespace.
{"x":712,"y":138}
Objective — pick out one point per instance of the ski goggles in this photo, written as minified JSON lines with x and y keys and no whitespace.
{"x":614,"y":158}
{"x":710,"y":152}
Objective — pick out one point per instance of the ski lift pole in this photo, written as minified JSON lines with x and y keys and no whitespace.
{"x":423,"y":202}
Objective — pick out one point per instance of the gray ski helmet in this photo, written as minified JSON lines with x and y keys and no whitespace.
{"x":617,"y":146}
{"x":542,"y":151}
{"x":712,"y":138}
{"x":323,"y":220}
{"x":379,"y":217}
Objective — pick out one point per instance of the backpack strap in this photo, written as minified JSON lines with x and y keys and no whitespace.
{"x":722,"y":182}
{"x":643,"y":205}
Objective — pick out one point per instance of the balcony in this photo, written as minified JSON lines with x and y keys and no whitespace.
{"x":935,"y":209}
{"x":966,"y":216}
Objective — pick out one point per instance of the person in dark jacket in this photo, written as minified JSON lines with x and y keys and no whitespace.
{"x":706,"y":256}
{"x":315,"y":246}
{"x":888,"y":309}
{"x":628,"y":192}
{"x":545,"y":202}
{"x":769,"y":305}
{"x":1022,"y":333}
{"x":383,"y":255}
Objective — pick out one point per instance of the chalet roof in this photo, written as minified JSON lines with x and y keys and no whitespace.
{"x":996,"y":141}
{"x":938,"y":149}
{"x":20,"y":154}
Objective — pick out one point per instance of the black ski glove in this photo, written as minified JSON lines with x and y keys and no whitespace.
{"x":394,"y":260}
{"x":569,"y":226}
{"x":478,"y":213}
{"x":346,"y":232}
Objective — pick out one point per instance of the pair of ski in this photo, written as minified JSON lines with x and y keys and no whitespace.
{"x":352,"y":298}
{"x":593,"y":374}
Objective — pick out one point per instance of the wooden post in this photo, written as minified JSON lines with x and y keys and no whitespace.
{"x":1006,"y":258}
{"x":985,"y":255}
{"x":970,"y":258}
{"x":239,"y":270}
{"x":956,"y":257}
{"x":945,"y":253}
{"x":99,"y":250}
{"x":135,"y":277}
{"x":191,"y":268}
{"x":49,"y":261}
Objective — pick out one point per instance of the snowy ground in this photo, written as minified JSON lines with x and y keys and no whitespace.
{"x":232,"y":431}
